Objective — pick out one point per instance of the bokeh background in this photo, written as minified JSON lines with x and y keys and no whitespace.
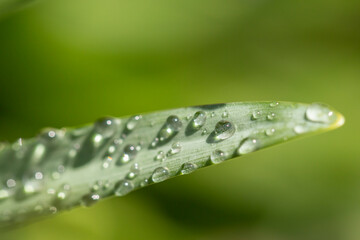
{"x":68,"y":62}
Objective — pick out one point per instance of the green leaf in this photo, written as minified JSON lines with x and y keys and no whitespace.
{"x":64,"y":168}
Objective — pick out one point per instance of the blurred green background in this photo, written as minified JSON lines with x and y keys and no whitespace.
{"x":68,"y":62}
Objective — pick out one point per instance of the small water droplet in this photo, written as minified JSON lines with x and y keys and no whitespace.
{"x":172,"y":126}
{"x":274,"y":104}
{"x":247,"y":146}
{"x":155,"y":142}
{"x":133,"y":121}
{"x":217,"y":156}
{"x":89,"y":199}
{"x":256,"y":115}
{"x":212,"y":114}
{"x":199,"y":119}
{"x":107,"y":162}
{"x":134,"y":171}
{"x":10,"y":183}
{"x":52,"y":209}
{"x":317,"y":112}
{"x":270,"y":131}
{"x":204,"y":132}
{"x":144,"y":182}
{"x":97,"y":139}
{"x":39,"y":176}
{"x":270,"y":116}
{"x":61,"y":195}
{"x":123,"y":187}
{"x":160,"y":174}
{"x":224,"y":130}
{"x":129,"y":153}
{"x":51,"y":135}
{"x":51,"y":191}
{"x":107,"y":127}
{"x":175,"y":148}
{"x":188,"y":168}
{"x":299,"y":129}
{"x":160,"y":156}
{"x":225,"y":114}
{"x":111,"y":149}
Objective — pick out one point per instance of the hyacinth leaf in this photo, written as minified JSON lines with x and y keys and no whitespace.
{"x":64,"y":168}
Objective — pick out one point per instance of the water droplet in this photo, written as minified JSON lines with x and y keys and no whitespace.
{"x":90,"y":199}
{"x":111,"y":149}
{"x":319,"y":113}
{"x":32,"y":186}
{"x":270,"y":116}
{"x":144,"y":182}
{"x":61,"y":195}
{"x":134,"y":171}
{"x":160,"y":174}
{"x":39,"y":176}
{"x":52,"y":210}
{"x":129,"y":153}
{"x":217,"y":156}
{"x":270,"y":132}
{"x":107,"y":162}
{"x":107,"y":127}
{"x":225,"y":114}
{"x":10,"y":183}
{"x":204,"y":132}
{"x":51,"y":191}
{"x":212,"y":114}
{"x":51,"y":135}
{"x":247,"y":146}
{"x":123,"y":187}
{"x":274,"y":104}
{"x":224,"y":130}
{"x":299,"y":129}
{"x":97,"y":139}
{"x":155,"y":142}
{"x":172,"y":126}
{"x":133,"y":121}
{"x":188,"y":168}
{"x":256,"y":115}
{"x":160,"y":156}
{"x":199,"y":119}
{"x":175,"y":148}
{"x":4,"y":194}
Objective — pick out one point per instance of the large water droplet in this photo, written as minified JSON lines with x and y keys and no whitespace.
{"x":319,"y":113}
{"x":172,"y":126}
{"x":160,"y":174}
{"x":217,"y":156}
{"x":107,"y":127}
{"x":247,"y":146}
{"x":188,"y":168}
{"x":175,"y":148}
{"x":224,"y":130}
{"x":199,"y":119}
{"x":129,"y":154}
{"x":123,"y":187}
